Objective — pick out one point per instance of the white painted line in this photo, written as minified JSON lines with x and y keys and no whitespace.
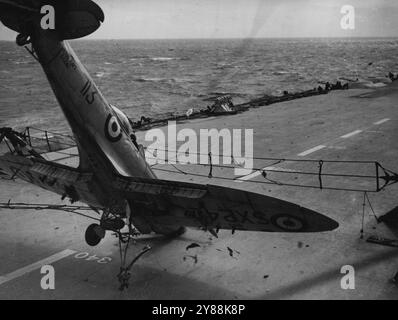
{"x":382,"y":121}
{"x":20,"y":272}
{"x":348,"y":135}
{"x":259,"y":172}
{"x":309,"y":151}
{"x":250,"y":176}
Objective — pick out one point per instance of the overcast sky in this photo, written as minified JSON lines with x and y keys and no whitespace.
{"x":241,"y":18}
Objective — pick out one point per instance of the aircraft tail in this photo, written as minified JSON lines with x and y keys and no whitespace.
{"x":73,"y":18}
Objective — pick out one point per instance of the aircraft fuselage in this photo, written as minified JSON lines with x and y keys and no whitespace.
{"x":103,"y":141}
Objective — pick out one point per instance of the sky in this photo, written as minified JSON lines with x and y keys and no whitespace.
{"x":162,"y":19}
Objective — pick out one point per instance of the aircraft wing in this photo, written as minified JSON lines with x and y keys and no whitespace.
{"x":217,"y":207}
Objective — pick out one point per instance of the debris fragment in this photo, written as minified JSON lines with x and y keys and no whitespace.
{"x":214,"y":233}
{"x":192,"y":245}
{"x":195,"y":258}
{"x":266,"y":276}
{"x":395,"y":279}
{"x":299,"y":244}
{"x":231,"y":252}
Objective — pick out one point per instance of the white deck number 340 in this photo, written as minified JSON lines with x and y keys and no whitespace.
{"x":48,"y":280}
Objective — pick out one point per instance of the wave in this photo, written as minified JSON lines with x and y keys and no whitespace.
{"x":22,"y":62}
{"x":159,"y":59}
{"x":163,"y":58}
{"x":280,"y":73}
{"x":150,"y":80}
{"x":99,"y":74}
{"x":168,"y":80}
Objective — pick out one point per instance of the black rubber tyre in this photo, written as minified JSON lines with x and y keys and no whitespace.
{"x":92,"y":237}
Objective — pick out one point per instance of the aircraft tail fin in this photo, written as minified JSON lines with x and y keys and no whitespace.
{"x":73,"y":18}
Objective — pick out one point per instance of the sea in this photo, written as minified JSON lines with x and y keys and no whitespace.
{"x":159,"y":78}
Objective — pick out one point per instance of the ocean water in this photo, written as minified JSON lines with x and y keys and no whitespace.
{"x":156,"y":78}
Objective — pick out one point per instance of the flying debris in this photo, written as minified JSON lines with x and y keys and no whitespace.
{"x":189,"y":112}
{"x":299,"y":244}
{"x":192,"y":245}
{"x":231,"y":252}
{"x":194,"y":258}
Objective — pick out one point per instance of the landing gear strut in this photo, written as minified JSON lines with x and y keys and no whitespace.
{"x":112,"y":222}
{"x":125,"y":274}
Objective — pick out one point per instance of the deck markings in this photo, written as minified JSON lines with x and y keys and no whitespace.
{"x":22,"y":271}
{"x":382,"y":121}
{"x":351,"y":134}
{"x":307,"y":152}
{"x":312,"y":150}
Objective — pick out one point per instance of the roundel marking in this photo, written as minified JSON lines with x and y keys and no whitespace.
{"x":288,"y":223}
{"x":113,"y":132}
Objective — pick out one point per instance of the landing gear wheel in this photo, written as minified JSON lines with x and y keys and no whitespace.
{"x":94,"y":234}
